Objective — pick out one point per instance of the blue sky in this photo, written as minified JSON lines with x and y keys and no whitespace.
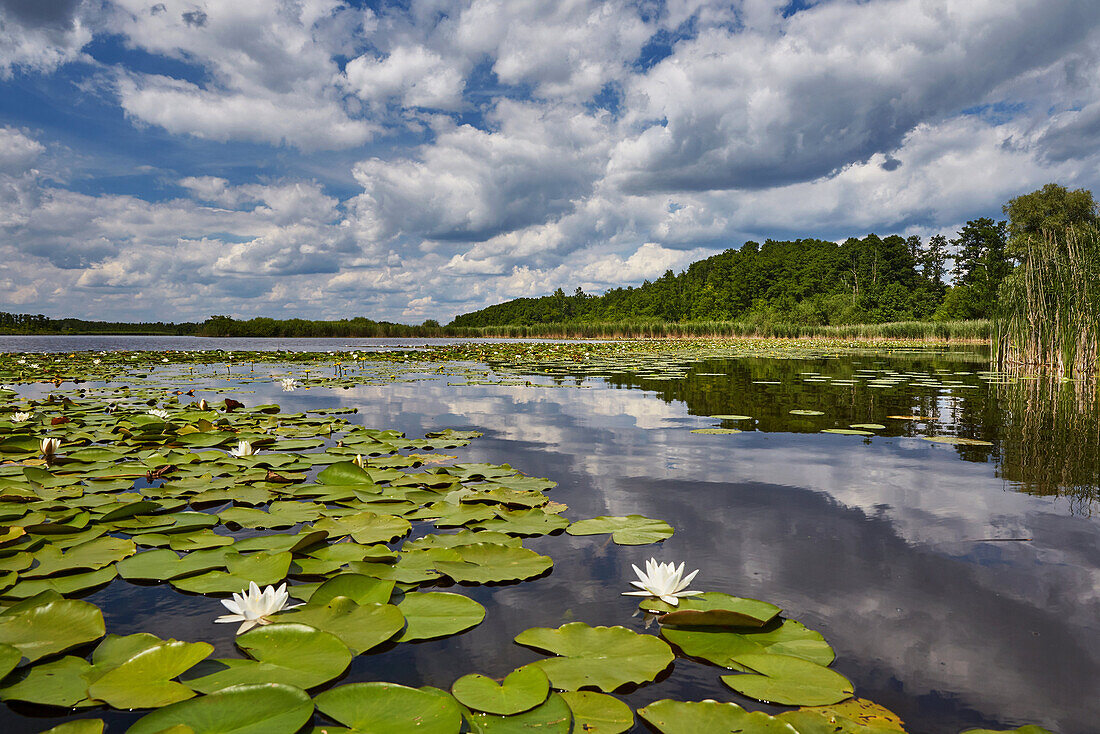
{"x":403,"y":161}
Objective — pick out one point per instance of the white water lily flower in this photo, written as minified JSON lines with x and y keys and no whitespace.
{"x":289,"y":384}
{"x":162,"y":414}
{"x":203,"y":405}
{"x":244,"y":448}
{"x":662,"y":580}
{"x":254,"y":606}
{"x":96,"y":361}
{"x":21,"y":417}
{"x":49,"y":446}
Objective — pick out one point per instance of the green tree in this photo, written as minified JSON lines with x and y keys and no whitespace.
{"x":981,"y":261}
{"x":1052,"y":208}
{"x":933,"y":260}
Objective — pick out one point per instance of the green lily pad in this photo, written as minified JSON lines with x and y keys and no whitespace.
{"x":629,"y":530}
{"x":854,"y":716}
{"x":600,"y":657}
{"x":144,"y":680}
{"x":80,"y":726}
{"x":1027,"y":729}
{"x":9,"y":658}
{"x":695,"y":717}
{"x":344,"y":472}
{"x":521,"y":690}
{"x":355,"y":586}
{"x":713,"y":609}
{"x":785,"y":679}
{"x":52,"y":627}
{"x":956,"y":440}
{"x":488,"y":562}
{"x":552,"y":717}
{"x":806,"y":412}
{"x":294,"y":654}
{"x":359,"y":627}
{"x":720,"y":645}
{"x":366,"y":527}
{"x":598,"y":713}
{"x":268,"y":708}
{"x":868,"y":426}
{"x":438,"y":614}
{"x":716,"y":431}
{"x":731,"y":417}
{"x":94,"y":554}
{"x":69,"y":584}
{"x":263,"y":568}
{"x":389,"y":708}
{"x":524,"y":522}
{"x":847,"y":432}
{"x":163,"y":564}
{"x":57,"y":683}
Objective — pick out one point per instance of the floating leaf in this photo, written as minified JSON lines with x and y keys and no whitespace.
{"x":731,"y":417}
{"x":357,"y":587}
{"x":956,"y":440}
{"x":389,"y":708}
{"x":847,"y":432}
{"x":629,"y":530}
{"x":1027,"y":729}
{"x":720,"y":645}
{"x":163,"y":564}
{"x":521,"y":690}
{"x":603,"y":657}
{"x":806,"y":412}
{"x":788,"y":680}
{"x":263,"y":568}
{"x":56,"y":683}
{"x":9,"y":658}
{"x":552,"y":717}
{"x":144,"y":680}
{"x":488,"y":562}
{"x":438,"y":614}
{"x":696,"y":717}
{"x":854,"y":716}
{"x":716,"y":431}
{"x":81,"y":726}
{"x":713,"y":609}
{"x":52,"y":627}
{"x":94,"y":554}
{"x":270,"y":708}
{"x":366,"y":527}
{"x":295,"y":654}
{"x":599,"y":713}
{"x":359,"y":627}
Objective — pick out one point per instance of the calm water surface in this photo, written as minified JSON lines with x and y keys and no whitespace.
{"x":959,"y":586}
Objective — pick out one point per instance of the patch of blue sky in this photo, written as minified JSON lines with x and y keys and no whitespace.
{"x":110,"y":50}
{"x":996,"y":113}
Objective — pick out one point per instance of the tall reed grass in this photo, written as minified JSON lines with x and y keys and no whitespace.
{"x":1049,"y":314}
{"x":962,"y":331}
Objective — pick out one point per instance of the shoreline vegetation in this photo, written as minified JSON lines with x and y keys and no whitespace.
{"x":972,"y":331}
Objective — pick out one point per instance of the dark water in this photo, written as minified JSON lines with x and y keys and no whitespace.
{"x":959,"y":586}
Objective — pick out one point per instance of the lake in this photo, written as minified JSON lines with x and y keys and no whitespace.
{"x":959,"y":583}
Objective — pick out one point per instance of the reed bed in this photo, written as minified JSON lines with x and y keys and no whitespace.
{"x":1049,"y":316}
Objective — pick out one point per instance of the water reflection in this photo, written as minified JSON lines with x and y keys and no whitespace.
{"x":900,"y":551}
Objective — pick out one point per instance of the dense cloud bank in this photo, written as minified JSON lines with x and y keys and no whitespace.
{"x":324,"y":159}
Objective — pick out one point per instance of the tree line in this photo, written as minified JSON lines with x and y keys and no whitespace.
{"x":820,"y":282}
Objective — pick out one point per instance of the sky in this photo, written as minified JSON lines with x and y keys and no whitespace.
{"x":164,"y":160}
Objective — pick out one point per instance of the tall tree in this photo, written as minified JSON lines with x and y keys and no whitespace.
{"x":981,"y":261}
{"x":1051,"y":208}
{"x":933,"y":260}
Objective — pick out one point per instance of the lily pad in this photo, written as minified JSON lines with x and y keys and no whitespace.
{"x":720,"y":645}
{"x":295,"y":654}
{"x":956,"y":440}
{"x":269,"y":708}
{"x":716,"y":431}
{"x":355,"y":586}
{"x":389,"y":708}
{"x":787,"y":680}
{"x":484,"y":563}
{"x":144,"y":680}
{"x":60,"y":682}
{"x":598,"y":713}
{"x":731,"y":417}
{"x":438,"y":614}
{"x":163,"y":564}
{"x":599,"y":657}
{"x":806,"y":412}
{"x":854,"y":716}
{"x":52,"y":627}
{"x":695,"y":717}
{"x":521,"y":690}
{"x":629,"y":530}
{"x":359,"y":627}
{"x":552,"y":717}
{"x":713,"y":609}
